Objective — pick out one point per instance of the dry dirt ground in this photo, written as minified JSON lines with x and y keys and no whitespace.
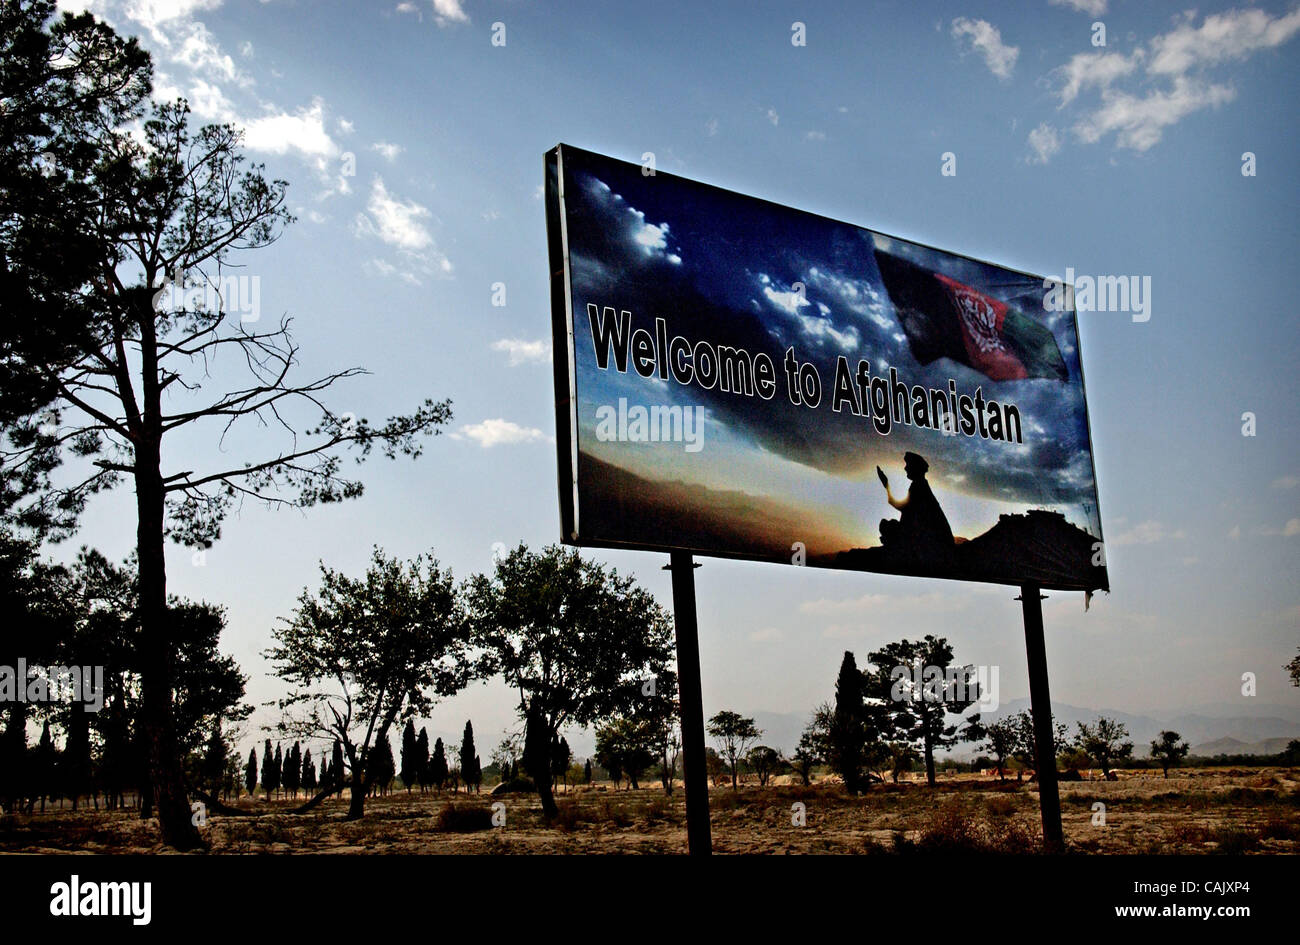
{"x":1209,"y":810}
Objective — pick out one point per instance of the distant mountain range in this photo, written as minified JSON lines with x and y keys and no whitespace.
{"x":1224,"y":728}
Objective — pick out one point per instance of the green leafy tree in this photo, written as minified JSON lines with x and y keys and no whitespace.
{"x":625,"y":746}
{"x":765,"y":762}
{"x":919,"y":714}
{"x":167,"y":210}
{"x":1000,"y":739}
{"x":1026,"y":745}
{"x":1293,"y":670}
{"x":572,"y":638}
{"x":369,"y":653}
{"x":1168,"y":750}
{"x":1106,"y":742}
{"x":734,"y":734}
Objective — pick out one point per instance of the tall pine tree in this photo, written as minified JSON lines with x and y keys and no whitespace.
{"x":438,"y":765}
{"x":268,"y":762}
{"x":410,"y":766}
{"x":847,"y":740}
{"x":250,"y":772}
{"x":468,"y":759}
{"x":422,"y":759}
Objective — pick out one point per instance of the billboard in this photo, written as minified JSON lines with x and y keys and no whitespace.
{"x":740,"y":379}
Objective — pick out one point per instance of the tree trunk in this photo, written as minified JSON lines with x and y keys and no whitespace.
{"x":158,"y":655}
{"x":357,"y":806}
{"x":537,"y":759}
{"x":929,"y":759}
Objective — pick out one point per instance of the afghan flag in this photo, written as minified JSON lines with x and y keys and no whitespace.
{"x":944,"y":318}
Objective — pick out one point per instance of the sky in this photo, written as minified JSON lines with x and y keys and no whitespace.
{"x":412,"y":137}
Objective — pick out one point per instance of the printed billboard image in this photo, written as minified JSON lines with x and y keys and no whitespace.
{"x":740,"y":379}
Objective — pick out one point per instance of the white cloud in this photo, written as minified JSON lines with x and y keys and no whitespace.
{"x":1093,"y":69}
{"x":1286,"y":482}
{"x":815,"y":135}
{"x":394,"y":221}
{"x":153,"y":15}
{"x":1234,"y":34}
{"x":387,"y":150}
{"x":1140,"y":121}
{"x":498,"y":432}
{"x":246,"y":49}
{"x":1148,"y":533}
{"x":788,"y":302}
{"x":1044,"y":142}
{"x":1091,"y":7}
{"x":1290,"y":530}
{"x":985,"y":39}
{"x":198,"y":50}
{"x":446,"y":12}
{"x":302,"y":132}
{"x":401,"y":224}
{"x":773,"y":117}
{"x":1139,"y":118}
{"x":523,"y":352}
{"x":711,"y":127}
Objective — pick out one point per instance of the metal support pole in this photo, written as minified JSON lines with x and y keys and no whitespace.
{"x":694,"y":770}
{"x":1049,"y":798}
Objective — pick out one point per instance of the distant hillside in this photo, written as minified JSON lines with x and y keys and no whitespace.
{"x":1235,"y":746}
{"x":1204,"y":729}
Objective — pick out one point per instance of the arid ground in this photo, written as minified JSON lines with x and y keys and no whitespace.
{"x":1199,"y":810}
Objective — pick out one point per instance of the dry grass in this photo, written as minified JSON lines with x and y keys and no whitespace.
{"x":1194,"y":811}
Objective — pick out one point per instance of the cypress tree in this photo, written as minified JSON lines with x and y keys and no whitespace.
{"x":438,"y":765}
{"x":268,"y":760}
{"x":76,"y":755}
{"x":214,"y":762}
{"x":586,"y":772}
{"x":250,"y":772}
{"x":847,"y":737}
{"x":467,"y":755}
{"x":337,"y":769}
{"x":422,"y":759}
{"x":277,"y":770}
{"x":45,"y":763}
{"x":308,"y":773}
{"x":410,"y":765}
{"x":293,"y":770}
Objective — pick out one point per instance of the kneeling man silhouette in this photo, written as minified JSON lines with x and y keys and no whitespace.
{"x":921,"y":530}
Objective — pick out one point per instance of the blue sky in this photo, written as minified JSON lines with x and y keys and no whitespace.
{"x":413,"y":147}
